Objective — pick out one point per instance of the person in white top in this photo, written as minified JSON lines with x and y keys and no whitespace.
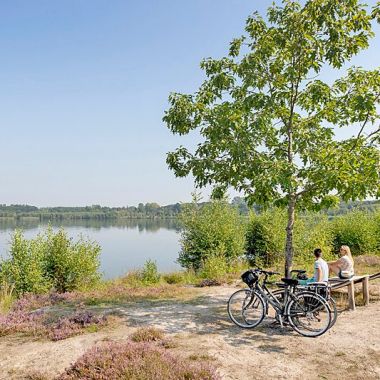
{"x":321,"y":269}
{"x":344,"y":266}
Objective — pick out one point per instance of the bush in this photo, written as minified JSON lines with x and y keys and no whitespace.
{"x":135,"y":361}
{"x":376,"y":221}
{"x":6,"y":297}
{"x":215,"y":229}
{"x":24,"y":269}
{"x":312,"y":231}
{"x":174,"y":278}
{"x":51,"y":260}
{"x":71,"y":265}
{"x":266,"y":237}
{"x":214,"y":268}
{"x":356,"y":229}
{"x":149,"y":274}
{"x":147,"y":334}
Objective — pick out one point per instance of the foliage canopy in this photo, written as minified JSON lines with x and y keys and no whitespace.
{"x":268,"y":121}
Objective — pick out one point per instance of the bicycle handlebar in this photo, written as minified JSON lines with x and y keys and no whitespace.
{"x":265,"y":272}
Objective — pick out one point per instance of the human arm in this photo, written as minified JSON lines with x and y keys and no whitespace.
{"x":319,"y":274}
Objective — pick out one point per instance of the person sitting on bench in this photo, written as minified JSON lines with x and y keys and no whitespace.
{"x":344,"y":266}
{"x":321,"y":269}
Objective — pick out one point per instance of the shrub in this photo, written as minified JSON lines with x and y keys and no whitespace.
{"x":29,"y":315}
{"x":51,"y":260}
{"x":312,"y":231}
{"x":70,"y":265}
{"x":6,"y":296}
{"x":147,"y":334}
{"x":266,"y":237}
{"x":214,"y":267}
{"x":75,"y":324}
{"x":376,"y":221}
{"x":174,"y":278}
{"x":135,"y":361}
{"x":214,"y":229}
{"x":25,"y":267}
{"x":149,"y":274}
{"x":356,"y":229}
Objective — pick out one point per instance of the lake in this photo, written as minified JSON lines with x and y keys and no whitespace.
{"x":126,"y":244}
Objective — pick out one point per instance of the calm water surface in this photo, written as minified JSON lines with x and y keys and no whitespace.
{"x":126,"y":245}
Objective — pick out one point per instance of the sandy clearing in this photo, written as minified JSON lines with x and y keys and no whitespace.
{"x":201,"y":326}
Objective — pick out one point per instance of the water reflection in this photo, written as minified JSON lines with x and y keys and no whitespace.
{"x":149,"y":225}
{"x":126,"y":244}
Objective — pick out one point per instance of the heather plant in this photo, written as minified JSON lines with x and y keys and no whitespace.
{"x":136,"y":361}
{"x":30,"y":315}
{"x":214,"y":229}
{"x":75,"y":324}
{"x":147,"y":334}
{"x":22,"y":321}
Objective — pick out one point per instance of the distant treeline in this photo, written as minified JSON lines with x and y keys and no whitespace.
{"x":142,"y":211}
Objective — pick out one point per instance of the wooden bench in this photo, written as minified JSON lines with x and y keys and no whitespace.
{"x":337,"y":283}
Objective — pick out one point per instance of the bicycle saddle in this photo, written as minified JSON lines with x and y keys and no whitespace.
{"x":289,"y":281}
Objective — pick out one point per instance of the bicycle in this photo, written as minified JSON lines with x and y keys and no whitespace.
{"x":307,"y":312}
{"x":324,"y":290}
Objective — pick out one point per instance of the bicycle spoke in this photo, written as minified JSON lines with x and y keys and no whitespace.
{"x":246,"y":309}
{"x":309,"y":314}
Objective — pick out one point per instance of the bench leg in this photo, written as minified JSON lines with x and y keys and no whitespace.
{"x":351,"y":296}
{"x":366,"y":290}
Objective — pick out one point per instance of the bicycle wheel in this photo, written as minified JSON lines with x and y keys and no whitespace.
{"x":309,"y":314}
{"x":279,"y":294}
{"x":246,"y":308}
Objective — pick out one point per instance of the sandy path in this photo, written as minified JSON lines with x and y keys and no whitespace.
{"x":350,"y":350}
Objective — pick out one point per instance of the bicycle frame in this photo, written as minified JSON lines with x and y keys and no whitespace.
{"x":270,"y":298}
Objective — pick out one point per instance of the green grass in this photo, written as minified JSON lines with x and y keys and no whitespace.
{"x":6,"y":297}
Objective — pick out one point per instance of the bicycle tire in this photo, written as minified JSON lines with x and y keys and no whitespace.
{"x":305,"y":308}
{"x":279,"y":293}
{"x":241,"y":303}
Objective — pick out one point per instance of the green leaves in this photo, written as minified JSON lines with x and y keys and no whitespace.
{"x":266,"y":122}
{"x":214,"y":230}
{"x":50,"y":261}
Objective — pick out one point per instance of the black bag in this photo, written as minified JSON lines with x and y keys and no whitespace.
{"x":249,"y":277}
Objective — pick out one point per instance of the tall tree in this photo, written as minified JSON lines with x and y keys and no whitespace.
{"x":268,"y":121}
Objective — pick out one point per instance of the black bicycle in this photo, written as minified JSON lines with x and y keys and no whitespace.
{"x":323,"y":289}
{"x":307,"y":312}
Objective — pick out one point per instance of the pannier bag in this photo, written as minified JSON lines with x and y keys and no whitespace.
{"x":249,"y":277}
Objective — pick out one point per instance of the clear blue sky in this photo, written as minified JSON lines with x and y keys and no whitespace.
{"x":83,"y":88}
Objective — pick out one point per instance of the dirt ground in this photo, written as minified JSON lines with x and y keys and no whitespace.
{"x":351,"y":350}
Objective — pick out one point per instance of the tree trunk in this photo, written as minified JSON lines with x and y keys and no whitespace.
{"x":289,"y":236}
